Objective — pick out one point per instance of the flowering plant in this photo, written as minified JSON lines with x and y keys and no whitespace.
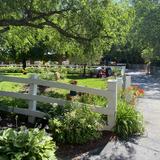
{"x":133,"y":92}
{"x":136,"y":90}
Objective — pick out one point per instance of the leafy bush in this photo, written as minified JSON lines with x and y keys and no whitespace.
{"x":129,"y":121}
{"x":74,"y":70}
{"x":10,"y":70}
{"x":47,"y":76}
{"x":76,"y":126}
{"x":63,"y":72}
{"x":14,"y":102}
{"x":116,"y":71}
{"x":26,"y":145}
{"x":19,"y":70}
{"x":34,"y":70}
{"x":93,"y":100}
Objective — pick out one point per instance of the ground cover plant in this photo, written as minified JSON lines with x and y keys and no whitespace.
{"x":26,"y":145}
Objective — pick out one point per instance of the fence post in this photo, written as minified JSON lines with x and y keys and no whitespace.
{"x":112,"y":88}
{"x":119,"y":83}
{"x":123,"y":76}
{"x":32,"y":103}
{"x":128,"y":82}
{"x":123,"y":70}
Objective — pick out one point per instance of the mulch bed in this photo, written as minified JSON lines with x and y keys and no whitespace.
{"x":78,"y":152}
{"x":12,"y":120}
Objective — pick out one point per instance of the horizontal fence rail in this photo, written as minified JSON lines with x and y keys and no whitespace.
{"x":56,"y":85}
{"x":23,"y":111}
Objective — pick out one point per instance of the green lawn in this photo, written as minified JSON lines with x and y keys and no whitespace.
{"x":10,"y":86}
{"x":87,"y":82}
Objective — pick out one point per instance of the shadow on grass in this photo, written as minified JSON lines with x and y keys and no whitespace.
{"x":76,"y":76}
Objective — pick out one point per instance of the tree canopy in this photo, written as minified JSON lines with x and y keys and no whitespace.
{"x":83,"y":30}
{"x":80,"y":28}
{"x":73,"y":19}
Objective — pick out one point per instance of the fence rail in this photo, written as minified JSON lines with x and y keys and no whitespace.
{"x":33,"y":98}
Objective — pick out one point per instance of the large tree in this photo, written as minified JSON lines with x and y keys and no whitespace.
{"x":146,"y":29}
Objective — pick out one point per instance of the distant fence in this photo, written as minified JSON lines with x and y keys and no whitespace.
{"x":33,"y":98}
{"x":121,"y":66}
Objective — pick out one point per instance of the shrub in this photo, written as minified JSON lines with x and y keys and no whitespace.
{"x":129,"y":121}
{"x":10,"y":70}
{"x":34,"y":69}
{"x":63,"y":72}
{"x":93,"y":100}
{"x":76,"y":126}
{"x":19,"y":70}
{"x":14,"y":102}
{"x":116,"y":71}
{"x":26,"y":145}
{"x":47,"y":76}
{"x":74,"y":70}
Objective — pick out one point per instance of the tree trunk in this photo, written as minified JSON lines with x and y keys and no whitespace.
{"x":84,"y":70}
{"x":24,"y":65}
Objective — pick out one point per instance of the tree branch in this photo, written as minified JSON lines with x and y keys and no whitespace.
{"x":33,"y":16}
{"x":77,"y":37}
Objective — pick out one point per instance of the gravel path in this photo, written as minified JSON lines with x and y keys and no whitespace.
{"x":146,"y":147}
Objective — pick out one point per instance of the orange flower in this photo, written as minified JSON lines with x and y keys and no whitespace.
{"x":136,"y":90}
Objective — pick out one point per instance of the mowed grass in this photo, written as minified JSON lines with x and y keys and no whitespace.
{"x":11,"y":86}
{"x":89,"y":82}
{"x":86,"y":82}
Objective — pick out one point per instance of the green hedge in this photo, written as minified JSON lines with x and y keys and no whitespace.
{"x":10,"y":70}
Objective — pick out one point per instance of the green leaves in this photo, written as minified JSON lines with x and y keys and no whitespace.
{"x":77,"y":126}
{"x":146,"y":32}
{"x":26,"y":144}
{"x":129,"y":121}
{"x":82,"y":29}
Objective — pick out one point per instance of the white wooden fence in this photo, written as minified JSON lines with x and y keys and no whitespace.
{"x":32,"y":97}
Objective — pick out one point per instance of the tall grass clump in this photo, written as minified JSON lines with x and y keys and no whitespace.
{"x":129,"y":121}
